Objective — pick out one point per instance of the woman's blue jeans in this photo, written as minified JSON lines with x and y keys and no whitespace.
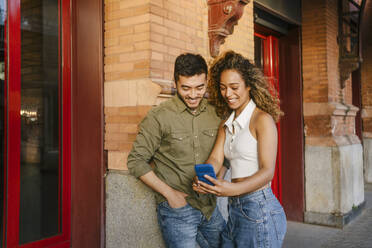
{"x":255,"y":220}
{"x":183,"y":227}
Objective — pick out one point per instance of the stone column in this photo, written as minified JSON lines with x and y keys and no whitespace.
{"x":333,"y":152}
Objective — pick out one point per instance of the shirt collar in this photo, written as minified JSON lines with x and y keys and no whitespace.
{"x":229,"y":122}
{"x":181,"y":106}
{"x":242,"y":119}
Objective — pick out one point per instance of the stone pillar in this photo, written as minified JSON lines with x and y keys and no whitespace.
{"x":131,"y":59}
{"x":366,"y":75}
{"x":333,"y":153}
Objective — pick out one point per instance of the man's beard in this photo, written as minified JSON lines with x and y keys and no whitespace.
{"x":184,"y":100}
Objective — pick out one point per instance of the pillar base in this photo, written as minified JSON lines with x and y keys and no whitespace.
{"x":131,"y":219}
{"x":334,"y":220}
{"x":334,"y":183}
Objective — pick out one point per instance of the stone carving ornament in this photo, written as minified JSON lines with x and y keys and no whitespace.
{"x":223,"y":15}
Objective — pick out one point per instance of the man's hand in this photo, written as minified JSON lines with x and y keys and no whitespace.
{"x":177,"y":199}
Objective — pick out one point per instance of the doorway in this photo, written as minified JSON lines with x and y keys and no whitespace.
{"x":279,"y":56}
{"x":266,"y":57}
{"x":36,"y":123}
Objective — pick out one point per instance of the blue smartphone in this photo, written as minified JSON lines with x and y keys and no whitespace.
{"x":205,"y":169}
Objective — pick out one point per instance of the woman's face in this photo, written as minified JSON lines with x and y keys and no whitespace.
{"x":234,"y":91}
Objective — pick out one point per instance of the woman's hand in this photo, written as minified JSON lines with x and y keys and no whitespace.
{"x":220,"y":188}
{"x":196,"y":186}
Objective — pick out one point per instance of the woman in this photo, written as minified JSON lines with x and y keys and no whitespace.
{"x":248,"y":139}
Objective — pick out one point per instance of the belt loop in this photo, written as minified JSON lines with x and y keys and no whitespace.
{"x":266,"y":193}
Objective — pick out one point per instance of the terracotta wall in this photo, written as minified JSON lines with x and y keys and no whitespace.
{"x":366,"y":71}
{"x":142,"y":40}
{"x":328,"y":113}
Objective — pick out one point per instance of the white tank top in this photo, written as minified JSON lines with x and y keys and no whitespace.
{"x":240,"y":146}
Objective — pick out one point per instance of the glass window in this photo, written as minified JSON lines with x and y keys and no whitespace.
{"x":258,"y":51}
{"x":40,"y":168}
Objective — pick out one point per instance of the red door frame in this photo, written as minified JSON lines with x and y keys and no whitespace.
{"x":271,"y":71}
{"x":12,"y":144}
{"x":14,"y":123}
{"x":88,"y":157}
{"x":5,"y":101}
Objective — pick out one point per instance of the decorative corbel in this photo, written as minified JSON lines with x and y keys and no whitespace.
{"x":350,"y":17}
{"x":223,"y":15}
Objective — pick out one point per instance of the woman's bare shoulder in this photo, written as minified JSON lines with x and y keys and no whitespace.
{"x":261,"y":118}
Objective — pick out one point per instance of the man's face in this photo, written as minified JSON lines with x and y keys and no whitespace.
{"x":192,"y":89}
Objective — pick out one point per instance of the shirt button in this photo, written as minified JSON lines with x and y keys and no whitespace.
{"x":197,"y":154}
{"x":196,"y":136}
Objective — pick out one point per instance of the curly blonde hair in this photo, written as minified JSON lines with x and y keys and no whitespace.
{"x":263,"y":94}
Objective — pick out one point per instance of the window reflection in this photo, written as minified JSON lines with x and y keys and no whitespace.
{"x":258,"y":51}
{"x":40,"y":121}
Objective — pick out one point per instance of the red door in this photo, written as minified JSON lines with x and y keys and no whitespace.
{"x":267,"y":57}
{"x":36,"y":123}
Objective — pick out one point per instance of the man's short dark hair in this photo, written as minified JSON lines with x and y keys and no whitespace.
{"x":188,"y":65}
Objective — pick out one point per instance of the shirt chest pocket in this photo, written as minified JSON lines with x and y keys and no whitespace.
{"x":207,"y":139}
{"x":180,"y":144}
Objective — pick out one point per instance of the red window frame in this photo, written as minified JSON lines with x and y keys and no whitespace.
{"x":12,"y":142}
{"x":271,"y":71}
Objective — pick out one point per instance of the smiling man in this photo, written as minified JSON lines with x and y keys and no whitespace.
{"x":176,"y":135}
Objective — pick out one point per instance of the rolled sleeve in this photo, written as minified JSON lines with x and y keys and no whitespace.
{"x":146,"y":143}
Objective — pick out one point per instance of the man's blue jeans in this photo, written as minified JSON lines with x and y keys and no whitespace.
{"x":183,"y":227}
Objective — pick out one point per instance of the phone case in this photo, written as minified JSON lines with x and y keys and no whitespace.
{"x":205,"y":169}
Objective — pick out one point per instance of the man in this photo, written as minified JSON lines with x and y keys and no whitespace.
{"x":176,"y":135}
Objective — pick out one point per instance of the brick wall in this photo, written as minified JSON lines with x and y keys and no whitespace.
{"x":142,"y":40}
{"x":127,"y":32}
{"x":242,"y":39}
{"x":366,"y":71}
{"x":328,"y":113}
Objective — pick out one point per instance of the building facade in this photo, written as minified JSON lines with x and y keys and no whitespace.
{"x":77,"y":77}
{"x":321,"y":162}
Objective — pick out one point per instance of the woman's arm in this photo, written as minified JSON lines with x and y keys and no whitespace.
{"x":267,"y":140}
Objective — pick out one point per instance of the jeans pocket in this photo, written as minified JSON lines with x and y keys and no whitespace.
{"x":166,"y":205}
{"x":280,"y":223}
{"x":251,"y":210}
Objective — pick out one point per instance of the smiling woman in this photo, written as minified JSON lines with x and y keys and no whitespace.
{"x":233,"y":89}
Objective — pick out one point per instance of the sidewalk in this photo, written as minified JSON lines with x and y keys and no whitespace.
{"x":358,"y":233}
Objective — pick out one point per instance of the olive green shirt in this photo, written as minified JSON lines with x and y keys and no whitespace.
{"x":176,"y":139}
